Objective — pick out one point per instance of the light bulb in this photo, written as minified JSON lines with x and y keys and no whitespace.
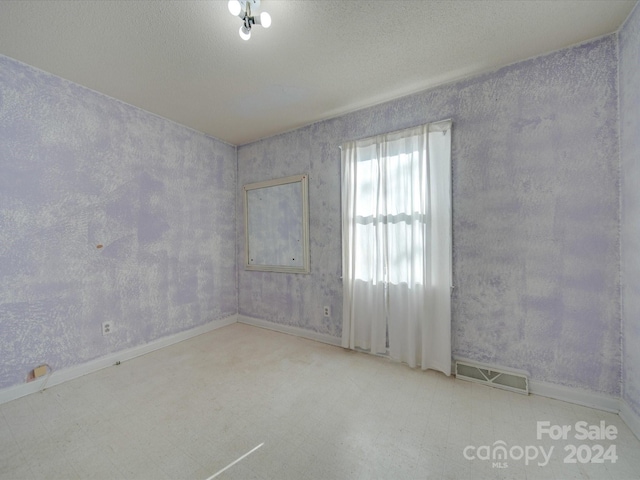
{"x":245,"y":33}
{"x":265,"y":19}
{"x":234,"y":7}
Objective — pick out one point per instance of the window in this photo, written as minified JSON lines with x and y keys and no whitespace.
{"x":396,"y":199}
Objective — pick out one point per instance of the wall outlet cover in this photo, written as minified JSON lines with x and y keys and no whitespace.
{"x":107,"y":328}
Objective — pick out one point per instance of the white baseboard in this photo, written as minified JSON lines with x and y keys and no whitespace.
{"x":631,"y":418}
{"x":557,"y":392}
{"x":575,"y":395}
{"x":297,"y":331}
{"x":58,"y":377}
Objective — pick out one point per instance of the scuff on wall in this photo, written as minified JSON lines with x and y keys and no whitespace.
{"x":535,"y":199}
{"x":536,"y":258}
{"x":107,"y":213}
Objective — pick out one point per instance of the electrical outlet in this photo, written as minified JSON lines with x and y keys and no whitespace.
{"x":327,"y":311}
{"x":107,"y":328}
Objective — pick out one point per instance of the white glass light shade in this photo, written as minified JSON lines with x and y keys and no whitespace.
{"x":245,"y":33}
{"x":265,"y":19}
{"x":234,"y":7}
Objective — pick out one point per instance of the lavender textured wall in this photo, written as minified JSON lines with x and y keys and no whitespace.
{"x":630,"y":241}
{"x":536,"y":204}
{"x":78,"y":169}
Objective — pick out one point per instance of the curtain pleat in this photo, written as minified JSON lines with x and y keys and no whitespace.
{"x":396,"y":227}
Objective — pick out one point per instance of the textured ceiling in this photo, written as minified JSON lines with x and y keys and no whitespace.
{"x":184,"y":60}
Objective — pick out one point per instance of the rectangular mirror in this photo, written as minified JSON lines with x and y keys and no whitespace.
{"x":276,"y":215}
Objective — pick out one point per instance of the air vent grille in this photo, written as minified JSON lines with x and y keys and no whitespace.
{"x":494,"y":377}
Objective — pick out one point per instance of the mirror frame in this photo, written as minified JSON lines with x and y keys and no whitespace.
{"x":304,"y":221}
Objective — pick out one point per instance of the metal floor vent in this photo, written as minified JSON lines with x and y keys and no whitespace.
{"x":514,"y":382}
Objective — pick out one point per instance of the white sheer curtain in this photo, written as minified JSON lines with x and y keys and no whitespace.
{"x":396,"y":244}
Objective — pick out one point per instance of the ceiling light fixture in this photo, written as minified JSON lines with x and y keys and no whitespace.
{"x":242,"y":9}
